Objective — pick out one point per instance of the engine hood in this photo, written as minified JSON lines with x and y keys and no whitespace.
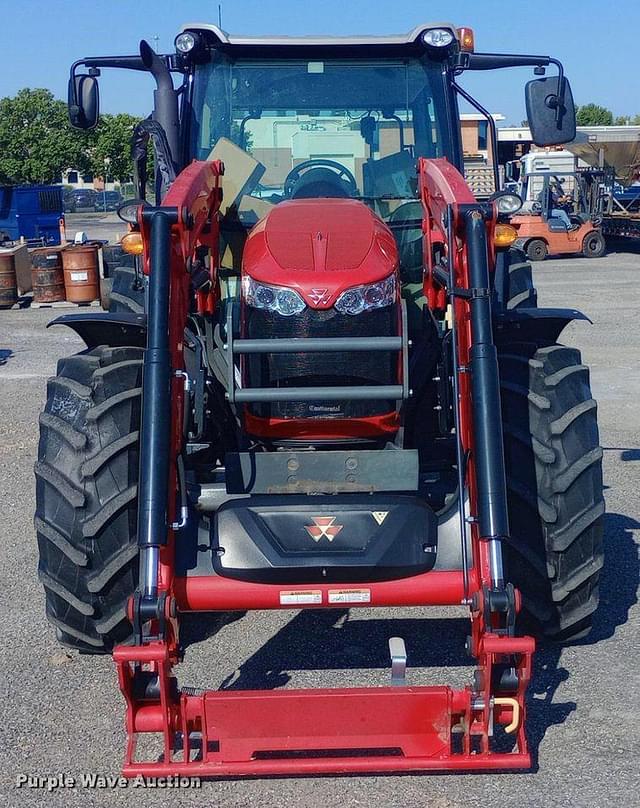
{"x":320,"y":247}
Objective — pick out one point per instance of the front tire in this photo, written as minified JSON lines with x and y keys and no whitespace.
{"x":554,"y":485}
{"x":86,"y":496}
{"x":537,"y":250}
{"x":593,"y":245}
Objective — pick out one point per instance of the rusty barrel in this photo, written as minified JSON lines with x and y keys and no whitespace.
{"x":46,"y":276}
{"x":81,"y":276}
{"x":8,"y":282}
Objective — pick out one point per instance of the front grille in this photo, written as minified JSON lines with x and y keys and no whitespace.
{"x":321,"y":369}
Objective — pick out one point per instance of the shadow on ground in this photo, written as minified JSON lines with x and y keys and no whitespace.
{"x":618,"y":593}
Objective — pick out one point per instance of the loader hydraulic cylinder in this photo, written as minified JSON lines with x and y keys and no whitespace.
{"x":156,"y":408}
{"x":487,"y":420}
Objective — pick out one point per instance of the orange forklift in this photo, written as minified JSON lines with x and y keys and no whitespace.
{"x":561,"y":215}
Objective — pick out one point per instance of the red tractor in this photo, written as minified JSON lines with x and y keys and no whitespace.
{"x":339,"y":393}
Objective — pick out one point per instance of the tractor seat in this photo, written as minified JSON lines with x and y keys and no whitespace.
{"x":406,"y":224}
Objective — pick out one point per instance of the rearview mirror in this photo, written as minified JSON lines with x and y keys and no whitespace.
{"x":84,"y":103}
{"x":550,"y":111}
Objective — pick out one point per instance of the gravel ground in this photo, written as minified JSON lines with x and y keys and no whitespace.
{"x":103,"y":226}
{"x":63,"y":715}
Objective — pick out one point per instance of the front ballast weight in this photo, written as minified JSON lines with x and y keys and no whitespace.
{"x":399,"y":727}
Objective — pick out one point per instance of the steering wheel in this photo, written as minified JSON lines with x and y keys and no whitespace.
{"x":339,"y":172}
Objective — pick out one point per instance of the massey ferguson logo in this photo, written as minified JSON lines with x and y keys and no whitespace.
{"x":319,"y":296}
{"x":323,"y":526}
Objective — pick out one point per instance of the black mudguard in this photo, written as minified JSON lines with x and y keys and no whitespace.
{"x":533,"y":325}
{"x":114,"y":329}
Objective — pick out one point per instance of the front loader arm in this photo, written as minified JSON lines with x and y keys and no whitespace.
{"x":459,"y":255}
{"x":291,"y":731}
{"x":172,"y":233}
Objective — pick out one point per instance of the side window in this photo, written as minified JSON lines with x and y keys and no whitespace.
{"x":483,"y":128}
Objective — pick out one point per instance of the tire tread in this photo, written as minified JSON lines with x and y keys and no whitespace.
{"x":86,"y":495}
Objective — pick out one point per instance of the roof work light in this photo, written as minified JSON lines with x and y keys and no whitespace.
{"x":438,"y":37}
{"x":186,"y":42}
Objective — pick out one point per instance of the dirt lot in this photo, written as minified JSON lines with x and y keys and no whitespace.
{"x":63,"y":714}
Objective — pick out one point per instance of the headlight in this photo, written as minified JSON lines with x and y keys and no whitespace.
{"x":128,"y":211}
{"x":271,"y":298}
{"x":364,"y":298}
{"x":507,"y":203}
{"x":438,"y":37}
{"x":185,"y":42}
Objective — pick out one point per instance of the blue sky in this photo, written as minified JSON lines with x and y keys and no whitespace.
{"x":42,"y":37}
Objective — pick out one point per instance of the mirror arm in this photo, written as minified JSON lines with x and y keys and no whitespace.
{"x":126,"y":62}
{"x":492,"y":127}
{"x":559,"y":100}
{"x":497,"y":61}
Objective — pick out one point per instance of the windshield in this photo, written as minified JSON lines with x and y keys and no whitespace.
{"x":336,"y":128}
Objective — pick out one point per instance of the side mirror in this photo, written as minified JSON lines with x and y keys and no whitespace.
{"x":84,"y":102}
{"x":550,"y":111}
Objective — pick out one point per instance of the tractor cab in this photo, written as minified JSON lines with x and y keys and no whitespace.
{"x":323,"y":123}
{"x":321,"y":226}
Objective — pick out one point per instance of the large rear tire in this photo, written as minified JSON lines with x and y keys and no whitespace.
{"x":554,"y":484}
{"x":513,"y":280}
{"x":86,"y":496}
{"x":127,"y":291}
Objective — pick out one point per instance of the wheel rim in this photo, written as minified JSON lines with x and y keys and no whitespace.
{"x":593,"y":244}
{"x":537,"y":250}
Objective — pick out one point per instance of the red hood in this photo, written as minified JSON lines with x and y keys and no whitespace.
{"x":320,"y":245}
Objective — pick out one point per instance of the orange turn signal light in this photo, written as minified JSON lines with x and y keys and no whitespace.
{"x":466,"y":39}
{"x":504,"y":235}
{"x":132,"y":243}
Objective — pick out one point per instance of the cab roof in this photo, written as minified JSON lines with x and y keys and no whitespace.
{"x":315,"y":40}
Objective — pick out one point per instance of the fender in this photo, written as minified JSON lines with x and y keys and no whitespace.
{"x":114,"y":329}
{"x":531,"y":325}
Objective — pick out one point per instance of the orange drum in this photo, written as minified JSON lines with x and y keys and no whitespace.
{"x":81,"y":276}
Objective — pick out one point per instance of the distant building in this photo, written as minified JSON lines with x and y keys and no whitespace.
{"x":76,"y":179}
{"x":476,"y":138}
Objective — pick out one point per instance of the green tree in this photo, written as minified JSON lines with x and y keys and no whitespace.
{"x":36,"y":141}
{"x":111,"y":149}
{"x":594,"y":115}
{"x":627,"y":120}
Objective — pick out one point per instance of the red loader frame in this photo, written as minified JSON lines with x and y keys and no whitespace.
{"x":372,"y":729}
